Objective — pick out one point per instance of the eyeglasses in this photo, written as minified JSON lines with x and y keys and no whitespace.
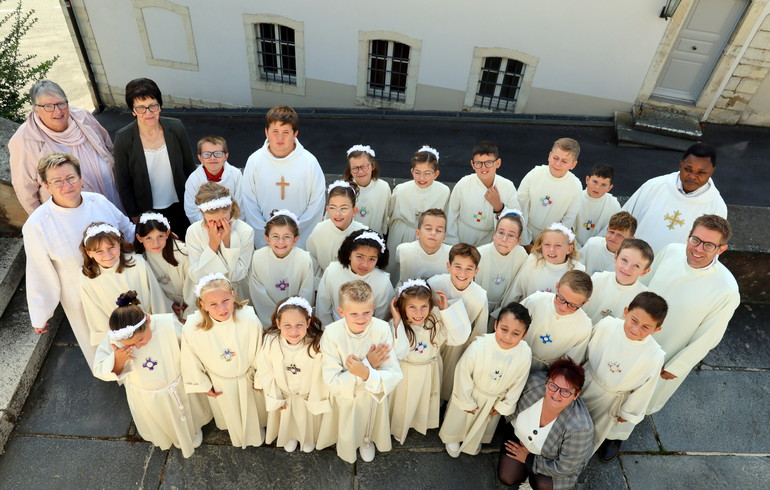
{"x":707,"y":246}
{"x":363,"y":168}
{"x":427,"y":174}
{"x":564,"y":392}
{"x":51,"y":107}
{"x":336,"y":210}
{"x":209,"y":154}
{"x":487,"y":164}
{"x":562,"y":300}
{"x":141,"y":109}
{"x":59,"y":183}
{"x":506,"y":236}
{"x":279,"y":238}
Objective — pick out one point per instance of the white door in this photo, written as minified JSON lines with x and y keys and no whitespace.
{"x":700,"y":43}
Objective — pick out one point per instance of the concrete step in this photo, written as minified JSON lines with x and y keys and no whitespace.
{"x":630,"y":136}
{"x":12,"y":262}
{"x":667,"y":122}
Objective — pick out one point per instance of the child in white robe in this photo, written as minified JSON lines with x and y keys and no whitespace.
{"x":373,"y":193}
{"x":598,"y":254}
{"x":478,"y":198}
{"x":289,"y":369}
{"x":410,"y":199}
{"x":458,"y":284}
{"x":623,"y":364}
{"x":551,"y":193}
{"x":212,"y":153}
{"x":142,"y":351}
{"x":559,"y":326}
{"x":422,"y":324}
{"x":426,"y":256}
{"x":109,"y":269}
{"x":614,"y":290}
{"x":280,"y":269}
{"x":490,"y":377}
{"x":363,"y":255}
{"x":597,"y":205}
{"x":219,"y":353}
{"x":220,"y":242}
{"x":327,"y":236}
{"x":553,"y":254}
{"x":359,"y":392}
{"x":168,"y":260}
{"x":502,"y":259}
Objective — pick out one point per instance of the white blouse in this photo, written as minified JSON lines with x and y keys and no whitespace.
{"x":528,"y":430}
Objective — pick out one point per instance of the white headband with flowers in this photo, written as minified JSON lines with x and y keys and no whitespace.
{"x":297,"y":301}
{"x":429,"y":150}
{"x":338,"y":183}
{"x":371,"y":235}
{"x":94,"y":230}
{"x":145,"y":217}
{"x":126,"y":332}
{"x":364,"y":148}
{"x":207,"y":279}
{"x":285,"y":212}
{"x":218,"y":203}
{"x":411,"y":283}
{"x":560,"y":227}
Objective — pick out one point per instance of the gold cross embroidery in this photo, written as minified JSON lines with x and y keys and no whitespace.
{"x":674,"y":220}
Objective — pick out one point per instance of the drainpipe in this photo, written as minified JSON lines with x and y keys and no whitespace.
{"x":84,"y":53}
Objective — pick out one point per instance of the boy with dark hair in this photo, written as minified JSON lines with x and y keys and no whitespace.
{"x":598,"y":253}
{"x":596,"y":203}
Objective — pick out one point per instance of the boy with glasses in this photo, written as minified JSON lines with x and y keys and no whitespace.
{"x":476,"y":199}
{"x":212,"y":153}
{"x":551,"y":193}
{"x":559,"y":326}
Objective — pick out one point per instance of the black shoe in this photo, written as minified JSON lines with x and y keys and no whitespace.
{"x":609,"y":450}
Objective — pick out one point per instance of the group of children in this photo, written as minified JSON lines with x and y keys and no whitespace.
{"x":332,"y":345}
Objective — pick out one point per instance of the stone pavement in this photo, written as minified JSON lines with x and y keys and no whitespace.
{"x":76,"y":432}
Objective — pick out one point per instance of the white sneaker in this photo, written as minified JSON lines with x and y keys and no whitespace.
{"x":198,"y":438}
{"x":453,"y":449}
{"x":308,"y":447}
{"x":290,"y":446}
{"x":367,"y":452}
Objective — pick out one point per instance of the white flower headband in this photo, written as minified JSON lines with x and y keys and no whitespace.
{"x":126,"y":332}
{"x":372,"y":236}
{"x":297,"y":301}
{"x":338,"y":183}
{"x":364,"y":148}
{"x":219,"y":203}
{"x":285,"y":212}
{"x":429,"y":150}
{"x":207,"y":279}
{"x":94,"y":230}
{"x":506,"y":211}
{"x":145,"y":217}
{"x":560,"y":227}
{"x":411,"y":283}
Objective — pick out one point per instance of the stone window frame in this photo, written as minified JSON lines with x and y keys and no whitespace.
{"x":362,"y":85}
{"x":184,"y":13}
{"x":250,"y":25}
{"x":479,"y":55}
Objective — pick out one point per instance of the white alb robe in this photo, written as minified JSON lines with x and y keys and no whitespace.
{"x":487,"y":377}
{"x":163,"y":412}
{"x":224,"y":358}
{"x":415,"y":402}
{"x":475,"y":299}
{"x":231,"y":178}
{"x":372,"y":205}
{"x":665,"y":215}
{"x":272,"y":279}
{"x":335,"y":276}
{"x":621,"y":375}
{"x":295,"y":395}
{"x":100,"y":293}
{"x":593,"y":216}
{"x":325,"y":240}
{"x":609,"y":297}
{"x":175,"y":282}
{"x":470,"y":217}
{"x":551,"y":336}
{"x":407,"y":203}
{"x":595,"y":256}
{"x":700,"y":305}
{"x":537,"y":274}
{"x":360,"y":408}
{"x":411,"y":261}
{"x":264,"y":186}
{"x":545,"y":199}
{"x":497,"y":273}
{"x":52,"y":235}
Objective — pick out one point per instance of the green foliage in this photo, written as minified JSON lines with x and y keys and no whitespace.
{"x":17,"y":70}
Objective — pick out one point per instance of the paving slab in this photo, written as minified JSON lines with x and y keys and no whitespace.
{"x":66,"y":399}
{"x":425,"y":470}
{"x":646,"y":472}
{"x":746,"y":341}
{"x":46,"y":462}
{"x":65,"y":335}
{"x":225,"y":467}
{"x":718,"y":411}
{"x":642,"y":439}
{"x":600,"y":476}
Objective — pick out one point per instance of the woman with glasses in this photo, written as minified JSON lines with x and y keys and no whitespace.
{"x":153,"y":158}
{"x":550,"y":437}
{"x":53,"y":126}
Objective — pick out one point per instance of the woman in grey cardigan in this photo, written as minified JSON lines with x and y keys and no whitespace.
{"x":550,"y":436}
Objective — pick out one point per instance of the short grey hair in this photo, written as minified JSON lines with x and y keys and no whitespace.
{"x":45,"y":87}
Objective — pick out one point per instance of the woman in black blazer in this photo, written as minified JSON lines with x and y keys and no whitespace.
{"x":153,"y":158}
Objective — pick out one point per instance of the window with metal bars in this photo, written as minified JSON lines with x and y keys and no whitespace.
{"x":499,"y":84}
{"x":388,"y":66}
{"x":276,"y":53}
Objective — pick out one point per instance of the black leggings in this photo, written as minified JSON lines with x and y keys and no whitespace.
{"x":514,"y":473}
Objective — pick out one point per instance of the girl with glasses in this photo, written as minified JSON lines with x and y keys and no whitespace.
{"x":373,"y":193}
